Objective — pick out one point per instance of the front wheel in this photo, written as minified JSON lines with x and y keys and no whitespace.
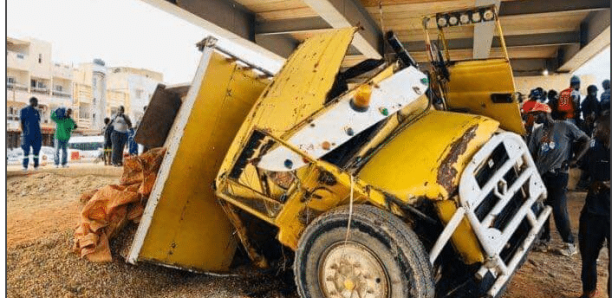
{"x":382,"y":257}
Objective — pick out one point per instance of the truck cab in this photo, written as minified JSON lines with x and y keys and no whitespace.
{"x":367,"y":184}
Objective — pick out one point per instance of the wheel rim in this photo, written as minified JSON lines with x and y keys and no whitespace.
{"x":352,"y":270}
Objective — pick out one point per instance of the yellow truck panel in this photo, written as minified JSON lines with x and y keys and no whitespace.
{"x":418,"y":163}
{"x":183,"y":225}
{"x":473,"y":86}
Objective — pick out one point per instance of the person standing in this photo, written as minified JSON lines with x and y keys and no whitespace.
{"x":121,"y":124}
{"x":63,"y":131}
{"x":568,"y":105}
{"x":605,"y":96}
{"x":550,"y":145}
{"x":30,"y":133}
{"x":108,"y":145}
{"x":553,"y":101}
{"x":132,"y":146}
{"x":535,"y":95}
{"x":590,"y":109}
{"x":595,"y":216}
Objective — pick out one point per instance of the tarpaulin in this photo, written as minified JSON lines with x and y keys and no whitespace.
{"x":108,"y":209}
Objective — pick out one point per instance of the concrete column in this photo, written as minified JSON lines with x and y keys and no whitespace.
{"x":98,"y":103}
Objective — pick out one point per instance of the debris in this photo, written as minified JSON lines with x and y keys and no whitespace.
{"x":109,"y":209}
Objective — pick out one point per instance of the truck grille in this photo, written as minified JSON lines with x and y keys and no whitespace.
{"x":500,"y":191}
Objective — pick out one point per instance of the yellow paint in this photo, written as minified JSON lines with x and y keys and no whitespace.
{"x":298,"y":90}
{"x":407,"y":166}
{"x":471,"y":85}
{"x":189,"y":229}
{"x":465,"y":241}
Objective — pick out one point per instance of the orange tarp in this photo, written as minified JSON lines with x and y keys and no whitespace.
{"x":109,"y":208}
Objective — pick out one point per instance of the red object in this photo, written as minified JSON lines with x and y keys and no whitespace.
{"x":540,"y":107}
{"x":566,"y":104}
{"x":528,"y":105}
{"x":74,"y":155}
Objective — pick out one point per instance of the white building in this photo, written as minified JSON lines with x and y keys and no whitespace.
{"x":93,"y":90}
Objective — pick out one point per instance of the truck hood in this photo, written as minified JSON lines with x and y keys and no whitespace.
{"x":427,"y":158}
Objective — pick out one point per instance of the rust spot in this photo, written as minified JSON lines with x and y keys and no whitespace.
{"x":307,"y":215}
{"x":447,"y":171}
{"x":326,"y":178}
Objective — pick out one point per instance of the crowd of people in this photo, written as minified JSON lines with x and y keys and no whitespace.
{"x":566,"y":131}
{"x":118,"y":132}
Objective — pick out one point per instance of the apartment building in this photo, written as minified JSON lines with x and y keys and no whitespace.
{"x":31,"y":72}
{"x":93,"y":90}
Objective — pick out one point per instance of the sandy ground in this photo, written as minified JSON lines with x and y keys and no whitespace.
{"x":43,"y":209}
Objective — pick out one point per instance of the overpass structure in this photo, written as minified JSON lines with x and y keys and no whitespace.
{"x":554,"y":35}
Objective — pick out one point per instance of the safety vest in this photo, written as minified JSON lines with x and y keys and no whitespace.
{"x":565,"y":104}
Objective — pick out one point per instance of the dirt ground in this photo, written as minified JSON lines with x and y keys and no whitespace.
{"x":43,"y":209}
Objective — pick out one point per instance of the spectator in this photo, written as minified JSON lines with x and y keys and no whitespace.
{"x":108,"y":145}
{"x":595,"y":216}
{"x":553,"y":101}
{"x":605,"y":96}
{"x":121,"y":123}
{"x":550,"y":145}
{"x":30,"y":133}
{"x":568,"y":105}
{"x":590,"y":109}
{"x":63,"y":130}
{"x":132,"y":146}
{"x":536,"y":95}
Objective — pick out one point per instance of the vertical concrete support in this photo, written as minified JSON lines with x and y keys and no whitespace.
{"x":98,"y":104}
{"x":483,"y":33}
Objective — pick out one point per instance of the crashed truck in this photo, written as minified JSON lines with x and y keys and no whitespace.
{"x":380,"y":180}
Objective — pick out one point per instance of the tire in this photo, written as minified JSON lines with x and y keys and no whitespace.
{"x":382,"y":257}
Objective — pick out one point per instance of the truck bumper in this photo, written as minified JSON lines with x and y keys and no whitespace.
{"x":500,"y":194}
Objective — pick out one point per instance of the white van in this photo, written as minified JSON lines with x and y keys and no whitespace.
{"x":86,"y":148}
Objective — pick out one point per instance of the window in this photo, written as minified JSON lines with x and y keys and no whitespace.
{"x":10,"y":80}
{"x":93,"y":101}
{"x":33,"y":83}
{"x":39,"y":58}
{"x":58,"y":88}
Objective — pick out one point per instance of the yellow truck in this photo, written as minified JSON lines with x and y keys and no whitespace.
{"x":361,"y":183}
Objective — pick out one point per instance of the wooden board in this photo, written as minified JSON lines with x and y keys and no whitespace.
{"x":158,"y":118}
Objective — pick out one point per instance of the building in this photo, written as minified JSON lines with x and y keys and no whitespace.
{"x":31,"y":72}
{"x":97,"y":86}
{"x":93,"y":90}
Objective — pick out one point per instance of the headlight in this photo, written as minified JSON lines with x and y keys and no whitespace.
{"x":453,"y":20}
{"x":442,"y":21}
{"x":488,"y":15}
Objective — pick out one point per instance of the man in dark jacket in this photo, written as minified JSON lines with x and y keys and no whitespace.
{"x":590,"y":109}
{"x":605,"y":96}
{"x":108,"y":145}
{"x":595,"y":216}
{"x":31,"y":135}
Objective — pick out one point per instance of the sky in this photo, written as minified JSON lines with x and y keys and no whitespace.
{"x":133,"y":33}
{"x":120,"y":32}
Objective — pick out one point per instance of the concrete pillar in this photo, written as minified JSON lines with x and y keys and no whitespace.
{"x":98,"y":103}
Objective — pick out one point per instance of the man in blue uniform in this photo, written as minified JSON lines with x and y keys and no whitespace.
{"x":595,"y":216}
{"x":30,"y":132}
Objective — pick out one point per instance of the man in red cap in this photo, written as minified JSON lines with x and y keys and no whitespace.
{"x":550,"y":145}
